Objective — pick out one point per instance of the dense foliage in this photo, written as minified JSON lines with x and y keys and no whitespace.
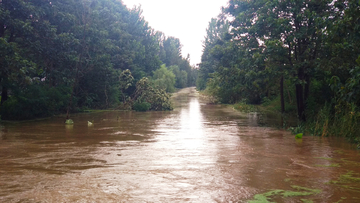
{"x":304,"y":53}
{"x":63,"y":56}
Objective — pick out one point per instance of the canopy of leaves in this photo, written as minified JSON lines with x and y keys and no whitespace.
{"x":93,"y":50}
{"x":255,"y":47}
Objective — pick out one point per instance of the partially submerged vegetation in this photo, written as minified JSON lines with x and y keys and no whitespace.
{"x":349,"y":181}
{"x":245,"y":107}
{"x":298,"y":191}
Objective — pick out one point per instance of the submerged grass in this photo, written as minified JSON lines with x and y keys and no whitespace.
{"x":339,"y":152}
{"x":265,"y":197}
{"x":270,"y":112}
{"x":325,"y":158}
{"x":350,"y":177}
{"x":287,"y":180}
{"x":342,"y":199}
{"x":300,"y":191}
{"x":350,"y":162}
{"x":331,"y":165}
{"x":208,"y":97}
{"x":349,"y":181}
{"x":306,"y":201}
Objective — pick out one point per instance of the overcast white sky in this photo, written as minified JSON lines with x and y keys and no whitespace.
{"x":183,"y":19}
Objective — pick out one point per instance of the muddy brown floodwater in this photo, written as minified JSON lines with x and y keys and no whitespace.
{"x":196,"y":153}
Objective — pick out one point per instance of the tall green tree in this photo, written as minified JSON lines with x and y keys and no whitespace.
{"x":172,"y":49}
{"x":217,"y":32}
{"x":164,"y":79}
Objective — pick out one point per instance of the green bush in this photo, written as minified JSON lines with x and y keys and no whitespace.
{"x":158,"y":99}
{"x":141,"y":106}
{"x":164,"y":79}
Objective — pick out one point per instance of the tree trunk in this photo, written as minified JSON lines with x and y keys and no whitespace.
{"x":307,"y":87}
{"x":73,"y":87}
{"x":300,"y":96}
{"x":288,"y":92}
{"x":300,"y":102}
{"x":282,"y":94}
{"x":4,"y":94}
{"x":2,"y":30}
{"x":78,"y":66}
{"x":107,"y":103}
{"x":70,"y":102}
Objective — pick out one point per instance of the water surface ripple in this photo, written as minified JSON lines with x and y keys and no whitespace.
{"x":196,"y":153}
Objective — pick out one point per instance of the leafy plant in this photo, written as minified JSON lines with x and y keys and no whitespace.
{"x":297,"y":130}
{"x":299,"y":136}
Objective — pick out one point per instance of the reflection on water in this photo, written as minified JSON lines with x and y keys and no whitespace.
{"x":196,"y":153}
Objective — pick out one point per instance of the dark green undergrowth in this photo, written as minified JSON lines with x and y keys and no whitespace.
{"x":141,"y":106}
{"x":340,"y":115}
{"x":334,"y":121}
{"x":275,"y":105}
{"x":268,"y":106}
{"x":328,"y":120}
{"x":35,"y":102}
{"x":270,"y":112}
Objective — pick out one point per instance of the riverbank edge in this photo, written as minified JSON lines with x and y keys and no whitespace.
{"x":320,"y":125}
{"x":62,"y":115}
{"x":120,"y":109}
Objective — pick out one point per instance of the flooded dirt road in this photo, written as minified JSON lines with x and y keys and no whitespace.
{"x":196,"y":153}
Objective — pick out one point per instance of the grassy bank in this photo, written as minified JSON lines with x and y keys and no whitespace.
{"x":271,"y":110}
{"x":342,"y":121}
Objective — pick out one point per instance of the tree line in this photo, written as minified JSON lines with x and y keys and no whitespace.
{"x":69,"y":55}
{"x":303,"y":53}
